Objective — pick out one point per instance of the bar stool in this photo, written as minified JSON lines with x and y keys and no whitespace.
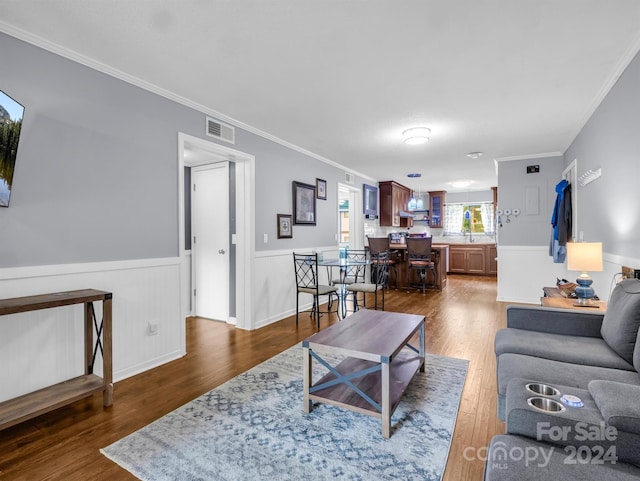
{"x":419,"y":261}
{"x":379,"y":250}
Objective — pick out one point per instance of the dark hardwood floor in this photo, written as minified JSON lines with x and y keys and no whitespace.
{"x":64,"y":444}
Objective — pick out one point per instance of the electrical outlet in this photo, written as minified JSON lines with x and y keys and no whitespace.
{"x":152,"y":328}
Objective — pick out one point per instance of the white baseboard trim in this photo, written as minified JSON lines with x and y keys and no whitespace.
{"x":145,"y":366}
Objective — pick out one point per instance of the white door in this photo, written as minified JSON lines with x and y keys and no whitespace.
{"x":210,"y":243}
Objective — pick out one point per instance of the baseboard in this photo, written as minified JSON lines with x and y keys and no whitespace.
{"x":145,"y":366}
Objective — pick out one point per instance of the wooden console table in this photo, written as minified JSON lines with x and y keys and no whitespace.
{"x":33,"y":404}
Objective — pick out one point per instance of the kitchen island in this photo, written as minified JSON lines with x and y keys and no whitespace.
{"x":439,"y":257}
{"x":455,"y":257}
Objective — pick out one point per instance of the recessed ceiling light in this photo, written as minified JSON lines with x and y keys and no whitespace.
{"x":474,"y":155}
{"x":416,"y":135}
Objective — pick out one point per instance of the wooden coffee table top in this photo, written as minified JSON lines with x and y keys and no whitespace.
{"x":369,"y":334}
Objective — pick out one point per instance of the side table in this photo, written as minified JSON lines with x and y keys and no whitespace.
{"x":553,"y":298}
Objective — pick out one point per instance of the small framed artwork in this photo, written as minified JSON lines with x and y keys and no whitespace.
{"x":304,"y":203}
{"x":284,"y":226}
{"x":321,"y":189}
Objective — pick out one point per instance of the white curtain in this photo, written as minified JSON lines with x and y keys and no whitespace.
{"x":453,"y":219}
{"x":486,"y":211}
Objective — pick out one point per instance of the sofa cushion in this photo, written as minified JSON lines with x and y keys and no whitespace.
{"x":555,"y":372}
{"x":618,"y":403}
{"x":622,"y":320}
{"x":636,"y":353}
{"x":557,"y":347}
{"x":506,"y":461}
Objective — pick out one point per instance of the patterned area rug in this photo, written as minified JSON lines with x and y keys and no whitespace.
{"x":253,"y":428}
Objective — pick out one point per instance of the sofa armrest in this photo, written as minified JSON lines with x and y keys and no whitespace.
{"x":570,"y":322}
{"x":618,"y":404}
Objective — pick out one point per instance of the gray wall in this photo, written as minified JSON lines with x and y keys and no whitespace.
{"x":276,"y":168}
{"x":517,"y":189}
{"x":96,"y":173}
{"x":609,"y":207}
{"x":95,"y":176}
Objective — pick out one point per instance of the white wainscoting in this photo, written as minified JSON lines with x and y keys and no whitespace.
{"x":524,"y":270}
{"x":40,"y":348}
{"x":275,"y":287}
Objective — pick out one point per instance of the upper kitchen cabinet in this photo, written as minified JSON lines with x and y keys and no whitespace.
{"x":436,"y":206}
{"x":394,"y":200}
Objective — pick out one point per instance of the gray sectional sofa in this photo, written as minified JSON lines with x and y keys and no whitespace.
{"x":589,"y":355}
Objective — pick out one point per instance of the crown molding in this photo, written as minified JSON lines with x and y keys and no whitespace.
{"x":529,"y":156}
{"x":77,"y":57}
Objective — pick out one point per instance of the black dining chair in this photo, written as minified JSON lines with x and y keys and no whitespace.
{"x":353,"y":270}
{"x":419,"y":261}
{"x":307,"y":282}
{"x":381,"y":245}
{"x":379,"y":277}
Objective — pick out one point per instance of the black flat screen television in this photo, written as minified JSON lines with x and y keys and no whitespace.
{"x":370,"y":201}
{"x":11,"y":113}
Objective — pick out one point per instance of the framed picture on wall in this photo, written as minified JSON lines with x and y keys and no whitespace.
{"x":284,"y":226}
{"x":321,"y":189}
{"x":304,"y":203}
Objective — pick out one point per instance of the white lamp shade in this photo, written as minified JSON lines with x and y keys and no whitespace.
{"x":584,"y":256}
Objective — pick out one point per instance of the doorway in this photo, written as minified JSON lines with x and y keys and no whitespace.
{"x":242,"y":234}
{"x":210,"y":241}
{"x":350,"y":224}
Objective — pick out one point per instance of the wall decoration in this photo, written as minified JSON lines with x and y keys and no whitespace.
{"x":11,"y":113}
{"x":321,"y":189}
{"x":304,"y":203}
{"x":285,"y":230}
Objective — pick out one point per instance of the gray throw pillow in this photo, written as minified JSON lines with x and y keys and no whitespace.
{"x":622,"y":319}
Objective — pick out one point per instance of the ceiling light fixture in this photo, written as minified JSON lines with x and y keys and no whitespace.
{"x":461,"y":184}
{"x":415,"y":203}
{"x":475,"y":155}
{"x":416,"y":135}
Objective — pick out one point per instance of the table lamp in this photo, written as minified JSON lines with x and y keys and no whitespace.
{"x":584,"y":256}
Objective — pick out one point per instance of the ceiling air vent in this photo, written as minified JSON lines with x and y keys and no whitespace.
{"x":349,"y":178}
{"x":221,"y":131}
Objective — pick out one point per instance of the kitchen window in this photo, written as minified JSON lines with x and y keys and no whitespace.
{"x":477,"y":218}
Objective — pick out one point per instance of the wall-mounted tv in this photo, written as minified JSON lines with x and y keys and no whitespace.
{"x":370,"y":201}
{"x":11,"y":113}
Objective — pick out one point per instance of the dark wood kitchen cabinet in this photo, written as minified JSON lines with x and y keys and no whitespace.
{"x":468,"y":259}
{"x":436,"y":206}
{"x":394,"y":200}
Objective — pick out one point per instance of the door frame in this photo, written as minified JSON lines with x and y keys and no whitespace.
{"x":355,"y":215}
{"x":570,"y":173}
{"x":243,"y":238}
{"x":194,"y":256}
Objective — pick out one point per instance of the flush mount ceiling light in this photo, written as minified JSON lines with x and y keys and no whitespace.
{"x":461,"y":184}
{"x":416,"y":135}
{"x":474,"y":155}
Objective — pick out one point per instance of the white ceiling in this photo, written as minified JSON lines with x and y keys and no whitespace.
{"x":343,"y":78}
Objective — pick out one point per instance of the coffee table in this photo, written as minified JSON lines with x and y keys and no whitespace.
{"x":379,"y":366}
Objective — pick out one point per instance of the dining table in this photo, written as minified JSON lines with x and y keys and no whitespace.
{"x":343,"y":264}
